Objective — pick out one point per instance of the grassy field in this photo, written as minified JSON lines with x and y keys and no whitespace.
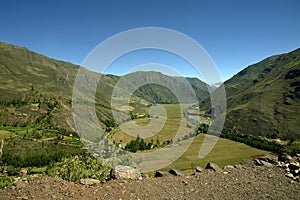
{"x":174,"y":116}
{"x":225,"y":152}
{"x":13,"y":129}
{"x":5,"y":134}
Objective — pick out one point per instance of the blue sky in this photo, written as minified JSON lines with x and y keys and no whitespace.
{"x":234,"y":33}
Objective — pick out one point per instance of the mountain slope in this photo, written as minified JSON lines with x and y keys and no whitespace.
{"x":264,"y":98}
{"x":164,"y":89}
{"x":37,"y":89}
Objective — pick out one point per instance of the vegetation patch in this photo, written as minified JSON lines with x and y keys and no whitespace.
{"x":26,"y":152}
{"x":79,"y":167}
{"x":5,"y":181}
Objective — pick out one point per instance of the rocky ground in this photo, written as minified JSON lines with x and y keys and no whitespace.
{"x":251,"y":180}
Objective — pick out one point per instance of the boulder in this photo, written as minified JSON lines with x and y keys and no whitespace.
{"x":176,"y":172}
{"x":23,"y":171}
{"x":125,"y":172}
{"x":89,"y":182}
{"x":161,"y":174}
{"x":248,"y":163}
{"x":266,"y":164}
{"x":199,"y":169}
{"x":214,"y":167}
{"x":294,"y":166}
{"x":289,"y":175}
{"x":260,"y":162}
{"x":196,"y":174}
{"x":284,"y":157}
{"x":229,"y":167}
{"x":270,"y":159}
{"x":238,"y":166}
{"x":257,"y":162}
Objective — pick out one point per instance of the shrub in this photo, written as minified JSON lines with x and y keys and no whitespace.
{"x":76,"y":168}
{"x":12,"y":171}
{"x":5,"y":181}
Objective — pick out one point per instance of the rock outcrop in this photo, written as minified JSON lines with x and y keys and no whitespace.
{"x":176,"y":172}
{"x":89,"y":182}
{"x":125,"y":172}
{"x":213,"y":167}
{"x":161,"y":174}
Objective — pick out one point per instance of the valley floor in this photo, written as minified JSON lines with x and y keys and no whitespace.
{"x":243,"y":183}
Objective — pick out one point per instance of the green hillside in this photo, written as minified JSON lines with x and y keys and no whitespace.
{"x":36,"y":89}
{"x":264,"y":98}
{"x":165,"y":88}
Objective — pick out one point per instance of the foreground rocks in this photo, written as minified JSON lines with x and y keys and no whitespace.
{"x":291,"y":166}
{"x":176,"y":172}
{"x":89,"y":182}
{"x":250,"y":180}
{"x":125,"y":172}
{"x":248,"y":183}
{"x":161,"y":174}
{"x":214,"y":167}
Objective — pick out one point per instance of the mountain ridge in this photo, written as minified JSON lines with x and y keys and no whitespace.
{"x":31,"y":78}
{"x":263,"y":98}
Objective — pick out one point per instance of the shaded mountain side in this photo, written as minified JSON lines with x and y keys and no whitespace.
{"x":264,"y":98}
{"x":167,"y":89}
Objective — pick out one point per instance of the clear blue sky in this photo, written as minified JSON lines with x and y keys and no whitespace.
{"x":234,"y":33}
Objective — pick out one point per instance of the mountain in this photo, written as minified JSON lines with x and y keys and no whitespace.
{"x":36,"y":89}
{"x":161,"y":88}
{"x":264,"y":98}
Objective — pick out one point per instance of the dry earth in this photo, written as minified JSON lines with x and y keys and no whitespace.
{"x":241,"y":182}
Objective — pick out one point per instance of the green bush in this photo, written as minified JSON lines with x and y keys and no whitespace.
{"x":138,"y":145}
{"x":12,"y":171}
{"x":76,"y":168}
{"x":262,"y":143}
{"x":26,"y":153}
{"x":5,"y":181}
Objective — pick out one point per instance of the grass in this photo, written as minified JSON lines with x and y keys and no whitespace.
{"x":170,"y":128}
{"x":5,"y":181}
{"x":13,"y":129}
{"x":5,"y":134}
{"x":225,"y":152}
{"x":263,"y":99}
{"x":37,"y":170}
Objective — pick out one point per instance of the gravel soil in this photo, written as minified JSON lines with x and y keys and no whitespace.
{"x":243,"y":183}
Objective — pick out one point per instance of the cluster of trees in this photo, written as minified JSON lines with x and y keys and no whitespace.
{"x":262,"y":143}
{"x":13,"y":102}
{"x":37,"y":160}
{"x":27,"y":152}
{"x":203,"y":128}
{"x":140,"y":145}
{"x":109,"y":123}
